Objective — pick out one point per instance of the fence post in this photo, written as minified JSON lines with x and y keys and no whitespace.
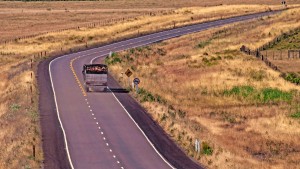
{"x":294,"y":53}
{"x":33,"y":151}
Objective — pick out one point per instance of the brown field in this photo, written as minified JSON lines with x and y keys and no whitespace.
{"x":26,"y":18}
{"x":19,"y":119}
{"x":201,"y":86}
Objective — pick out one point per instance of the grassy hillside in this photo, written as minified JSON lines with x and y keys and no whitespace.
{"x":201,"y":87}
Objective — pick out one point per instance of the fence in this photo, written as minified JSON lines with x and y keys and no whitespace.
{"x":92,"y":25}
{"x":257,"y":53}
{"x":276,"y":55}
{"x":281,"y":54}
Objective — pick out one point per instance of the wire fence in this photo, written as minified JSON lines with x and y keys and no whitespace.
{"x":281,"y":54}
{"x":268,"y":56}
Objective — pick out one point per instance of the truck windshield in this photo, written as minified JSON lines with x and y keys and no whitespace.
{"x":96,"y":69}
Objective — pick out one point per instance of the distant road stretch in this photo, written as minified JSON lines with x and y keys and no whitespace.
{"x":106,"y":130}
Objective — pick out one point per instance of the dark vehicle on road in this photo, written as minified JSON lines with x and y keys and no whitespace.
{"x":95,"y":77}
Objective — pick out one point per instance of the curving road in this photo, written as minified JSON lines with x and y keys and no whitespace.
{"x":105,"y":130}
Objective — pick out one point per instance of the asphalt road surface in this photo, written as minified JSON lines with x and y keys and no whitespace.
{"x":105,"y":129}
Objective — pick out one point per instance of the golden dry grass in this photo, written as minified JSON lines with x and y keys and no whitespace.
{"x":244,"y":132}
{"x":19,"y":120}
{"x":26,"y":18}
{"x":14,"y":79}
{"x":55,"y":41}
{"x":22,"y":19}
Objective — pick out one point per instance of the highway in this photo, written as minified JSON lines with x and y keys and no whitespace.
{"x":106,"y":130}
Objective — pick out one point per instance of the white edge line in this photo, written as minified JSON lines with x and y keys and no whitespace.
{"x":142,"y":132}
{"x":57,"y":111}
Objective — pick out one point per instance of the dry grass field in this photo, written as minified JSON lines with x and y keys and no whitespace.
{"x":26,"y":18}
{"x":200,"y":86}
{"x":19,"y":119}
{"x":22,"y":19}
{"x":65,"y":40}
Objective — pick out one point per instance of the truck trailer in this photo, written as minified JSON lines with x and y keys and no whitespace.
{"x":95,"y":77}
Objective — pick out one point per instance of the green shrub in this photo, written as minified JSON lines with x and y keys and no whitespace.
{"x":296,"y":115}
{"x":164,"y":117}
{"x":132,"y":50}
{"x":228,"y":117}
{"x":159,"y":99}
{"x":206,"y":148}
{"x":269,"y":94}
{"x":243,"y":91}
{"x":113,"y":59}
{"x":145,"y":95}
{"x":181,"y":113}
{"x":228,"y":57}
{"x":161,"y":52}
{"x":257,"y":75}
{"x":211,"y":61}
{"x":292,"y":77}
{"x":139,"y":49}
{"x":203,"y":44}
{"x":264,"y":95}
{"x":15,"y":107}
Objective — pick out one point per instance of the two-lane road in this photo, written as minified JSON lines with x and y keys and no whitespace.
{"x":106,"y":130}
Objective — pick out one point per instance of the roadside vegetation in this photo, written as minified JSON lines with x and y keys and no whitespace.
{"x":200,"y":86}
{"x":19,"y":118}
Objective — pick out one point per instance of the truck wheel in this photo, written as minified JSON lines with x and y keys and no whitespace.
{"x":105,"y":89}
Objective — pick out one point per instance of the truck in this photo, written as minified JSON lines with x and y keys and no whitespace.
{"x":95,"y":77}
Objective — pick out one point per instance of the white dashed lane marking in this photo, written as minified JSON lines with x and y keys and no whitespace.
{"x":104,"y":139}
